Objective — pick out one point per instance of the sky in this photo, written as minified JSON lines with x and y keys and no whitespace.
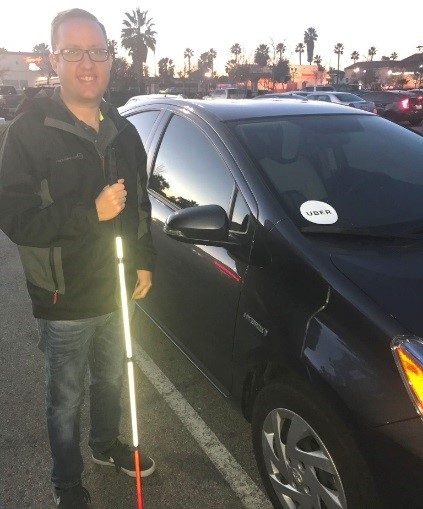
{"x":204,"y":25}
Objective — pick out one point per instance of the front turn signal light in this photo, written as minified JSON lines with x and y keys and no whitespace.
{"x":408,"y":353}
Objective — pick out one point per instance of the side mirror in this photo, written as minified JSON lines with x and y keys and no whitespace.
{"x":207,"y":225}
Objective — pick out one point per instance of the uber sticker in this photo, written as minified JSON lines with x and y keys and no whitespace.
{"x":318,"y":212}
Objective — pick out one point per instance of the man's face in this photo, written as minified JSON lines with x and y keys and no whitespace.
{"x":85,"y":81}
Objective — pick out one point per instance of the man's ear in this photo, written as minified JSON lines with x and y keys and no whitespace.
{"x":53,"y":61}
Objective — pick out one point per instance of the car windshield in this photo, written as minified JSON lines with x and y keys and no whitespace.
{"x":348,"y":98}
{"x":366,"y":171}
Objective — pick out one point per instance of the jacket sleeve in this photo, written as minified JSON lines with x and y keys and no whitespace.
{"x":143,"y":249}
{"x":24,"y":217}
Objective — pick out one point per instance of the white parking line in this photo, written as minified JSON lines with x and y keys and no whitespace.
{"x":251,"y":496}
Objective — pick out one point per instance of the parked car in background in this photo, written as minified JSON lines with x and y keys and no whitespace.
{"x":290,"y":245}
{"x":230,"y":93}
{"x":318,"y":88}
{"x":396,"y":106}
{"x":413,"y":92}
{"x":280,"y":95}
{"x":344,"y":98}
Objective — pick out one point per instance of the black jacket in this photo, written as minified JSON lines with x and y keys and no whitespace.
{"x":50,"y":176}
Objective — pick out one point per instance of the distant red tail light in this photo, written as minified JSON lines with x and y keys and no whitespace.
{"x":405,"y":103}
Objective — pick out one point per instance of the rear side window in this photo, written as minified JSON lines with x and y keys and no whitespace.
{"x":144,"y":122}
{"x":347,"y":97}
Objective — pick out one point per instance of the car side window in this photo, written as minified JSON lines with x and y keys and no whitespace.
{"x":240,"y":214}
{"x":188,"y":170}
{"x":144,"y":121}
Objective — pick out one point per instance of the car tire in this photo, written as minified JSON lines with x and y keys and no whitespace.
{"x":296,"y":410}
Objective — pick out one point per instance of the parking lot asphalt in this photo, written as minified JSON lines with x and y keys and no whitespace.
{"x":199,"y":440}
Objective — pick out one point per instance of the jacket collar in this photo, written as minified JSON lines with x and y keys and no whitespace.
{"x":54,"y":113}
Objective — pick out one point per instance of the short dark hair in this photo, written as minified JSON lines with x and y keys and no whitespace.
{"x":63,"y":16}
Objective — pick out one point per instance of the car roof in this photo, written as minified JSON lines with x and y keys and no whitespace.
{"x":278,"y":94}
{"x":238,"y":109}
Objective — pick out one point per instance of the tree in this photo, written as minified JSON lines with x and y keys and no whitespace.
{"x":121,"y":75}
{"x":138,"y":37}
{"x":385,"y":58}
{"x":310,"y":35}
{"x":238,"y":72}
{"x":372,"y":52}
{"x":280,"y":49}
{"x":112,"y":47}
{"x":204,"y":62}
{"x":41,"y":48}
{"x":212,"y":56}
{"x":355,"y":56}
{"x":236,"y":51}
{"x":281,"y":72}
{"x":44,"y":64}
{"x":318,"y":60}
{"x":3,"y":70}
{"x":166,"y":69}
{"x":188,"y":54}
{"x":338,"y":50}
{"x":394,"y":56}
{"x":300,"y":49}
{"x":401,"y":82}
{"x":371,"y":79}
{"x":319,"y":73}
{"x":261,"y":55}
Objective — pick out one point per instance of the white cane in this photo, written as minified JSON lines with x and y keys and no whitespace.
{"x":112,"y":167}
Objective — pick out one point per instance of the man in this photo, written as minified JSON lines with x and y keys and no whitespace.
{"x":58,"y":205}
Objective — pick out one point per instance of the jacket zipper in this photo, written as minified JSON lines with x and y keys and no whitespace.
{"x":53,"y":273}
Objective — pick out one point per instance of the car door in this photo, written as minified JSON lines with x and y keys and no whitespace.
{"x":196,"y":288}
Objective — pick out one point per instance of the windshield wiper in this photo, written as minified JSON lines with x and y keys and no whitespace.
{"x":361,"y":232}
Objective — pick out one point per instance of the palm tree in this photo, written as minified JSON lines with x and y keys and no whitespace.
{"x":166,"y":69}
{"x":338,"y":50}
{"x":355,"y":55}
{"x":188,"y":53}
{"x":212,"y":56}
{"x":310,"y":35}
{"x":372,"y":52}
{"x":394,"y":56}
{"x":280,"y":49}
{"x":318,"y":61}
{"x":236,"y":50}
{"x":261,"y":56}
{"x":138,"y":37}
{"x":300,"y":49}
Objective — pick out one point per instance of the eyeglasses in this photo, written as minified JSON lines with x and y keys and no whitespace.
{"x":76,"y":54}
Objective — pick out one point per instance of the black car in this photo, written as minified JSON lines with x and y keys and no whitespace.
{"x":396,"y":106}
{"x":290,"y":271}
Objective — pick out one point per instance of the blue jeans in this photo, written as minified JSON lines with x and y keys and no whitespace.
{"x":70,"y":347}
